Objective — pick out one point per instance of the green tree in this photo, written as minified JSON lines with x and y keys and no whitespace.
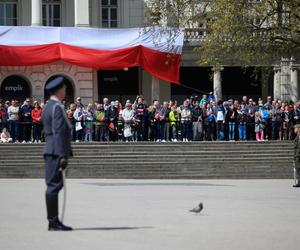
{"x":237,"y":32}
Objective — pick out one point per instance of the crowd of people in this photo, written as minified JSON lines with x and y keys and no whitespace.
{"x":196,"y":119}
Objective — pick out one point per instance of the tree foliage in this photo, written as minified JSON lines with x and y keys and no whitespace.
{"x":238,"y":32}
{"x":175,"y":13}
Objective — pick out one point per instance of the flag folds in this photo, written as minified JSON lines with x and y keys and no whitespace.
{"x":157,"y":50}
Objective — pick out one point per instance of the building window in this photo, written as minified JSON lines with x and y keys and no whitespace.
{"x":109,"y":13}
{"x":8,"y":13}
{"x":51,"y":12}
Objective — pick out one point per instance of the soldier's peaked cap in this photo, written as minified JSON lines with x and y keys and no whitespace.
{"x":55,"y":84}
{"x":297,"y":126}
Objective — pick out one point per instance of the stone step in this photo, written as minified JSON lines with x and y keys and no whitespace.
{"x":138,"y":150}
{"x":155,"y":149}
{"x":160,"y":167}
{"x":192,"y":160}
{"x":197,"y":162}
{"x":150,"y":175}
{"x":76,"y":157}
{"x":161,"y":152}
{"x":145,"y":145}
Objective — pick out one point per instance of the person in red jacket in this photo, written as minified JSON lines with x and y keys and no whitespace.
{"x":36,"y":115}
{"x":2,"y":117}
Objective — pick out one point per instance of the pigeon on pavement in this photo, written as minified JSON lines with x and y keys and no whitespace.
{"x":197,"y":209}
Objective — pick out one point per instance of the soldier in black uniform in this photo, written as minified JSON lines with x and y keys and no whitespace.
{"x":57,"y":150}
{"x":297,"y":155}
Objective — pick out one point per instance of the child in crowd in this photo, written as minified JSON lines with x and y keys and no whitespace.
{"x":259,"y":127}
{"x":5,"y":136}
{"x":88,"y":128}
{"x":174,"y":120}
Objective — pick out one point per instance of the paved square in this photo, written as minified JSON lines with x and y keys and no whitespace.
{"x":153,"y":214}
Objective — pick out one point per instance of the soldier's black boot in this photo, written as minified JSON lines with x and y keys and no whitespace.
{"x":52,"y":210}
{"x":297,"y":185}
{"x":56,"y":225}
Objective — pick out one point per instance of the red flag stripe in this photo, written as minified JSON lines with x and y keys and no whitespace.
{"x":162,"y":65}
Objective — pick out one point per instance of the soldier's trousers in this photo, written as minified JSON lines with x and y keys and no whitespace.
{"x":54,"y":182}
{"x":297,"y":168}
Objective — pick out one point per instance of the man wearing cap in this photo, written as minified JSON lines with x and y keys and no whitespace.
{"x":297,"y":155}
{"x":57,"y":150}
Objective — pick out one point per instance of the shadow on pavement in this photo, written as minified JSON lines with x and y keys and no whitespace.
{"x":108,"y":228}
{"x":191,"y":184}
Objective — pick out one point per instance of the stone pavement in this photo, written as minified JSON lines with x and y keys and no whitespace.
{"x":153,"y":214}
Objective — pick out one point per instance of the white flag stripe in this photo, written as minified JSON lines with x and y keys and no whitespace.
{"x":93,"y":38}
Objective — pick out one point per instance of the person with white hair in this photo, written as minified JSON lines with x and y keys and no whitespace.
{"x":106,"y":104}
{"x":127,"y":116}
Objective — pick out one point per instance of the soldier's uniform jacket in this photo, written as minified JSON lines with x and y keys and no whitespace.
{"x":297,"y":149}
{"x":57,"y":130}
{"x":297,"y":159}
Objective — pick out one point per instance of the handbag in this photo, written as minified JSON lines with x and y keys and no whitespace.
{"x":127,"y":132}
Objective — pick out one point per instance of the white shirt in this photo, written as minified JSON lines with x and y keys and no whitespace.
{"x":127,"y":115}
{"x":220,"y":115}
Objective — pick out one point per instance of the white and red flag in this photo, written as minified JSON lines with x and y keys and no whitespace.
{"x":156,"y":50}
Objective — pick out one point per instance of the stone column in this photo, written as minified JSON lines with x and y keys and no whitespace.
{"x":294,"y":80}
{"x":218,"y":82}
{"x":155,"y":88}
{"x":36,"y":13}
{"x":285,"y":78}
{"x":81,"y":13}
{"x":276,"y":83}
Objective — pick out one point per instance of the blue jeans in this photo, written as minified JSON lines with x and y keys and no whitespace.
{"x":220,"y":130}
{"x":242,"y":132}
{"x":13,"y":128}
{"x":88,"y":136}
{"x":174,"y":132}
{"x":231,"y":130}
{"x":185,"y":130}
{"x":160,"y":129}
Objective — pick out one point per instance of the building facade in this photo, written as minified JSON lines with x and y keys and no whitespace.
{"x":91,"y":84}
